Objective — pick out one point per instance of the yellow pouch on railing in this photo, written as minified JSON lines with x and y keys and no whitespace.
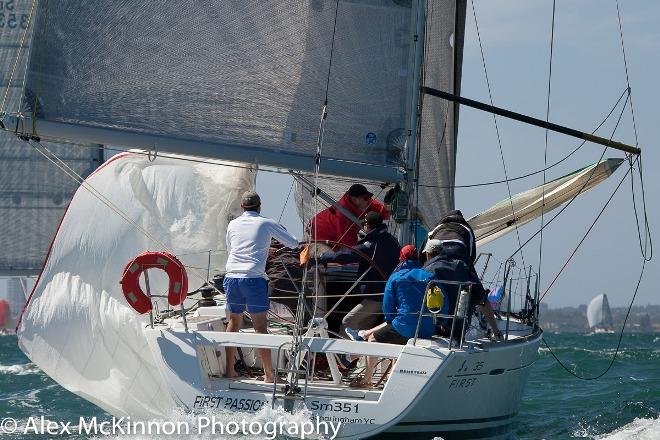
{"x":435,"y":298}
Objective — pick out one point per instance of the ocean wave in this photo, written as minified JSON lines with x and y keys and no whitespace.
{"x":638,"y":429}
{"x":20,"y":369}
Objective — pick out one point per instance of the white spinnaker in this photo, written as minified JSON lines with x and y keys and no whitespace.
{"x":77,"y":326}
{"x":498,"y":220}
{"x":598,"y":312}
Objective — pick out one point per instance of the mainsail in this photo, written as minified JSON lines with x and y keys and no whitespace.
{"x":33,"y":193}
{"x":77,"y":326}
{"x":524,"y":207}
{"x":436,"y":145}
{"x":599,"y":314}
{"x":241,"y":80}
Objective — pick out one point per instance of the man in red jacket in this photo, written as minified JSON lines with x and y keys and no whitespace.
{"x":331,"y":224}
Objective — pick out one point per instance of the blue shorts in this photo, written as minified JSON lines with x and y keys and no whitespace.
{"x":252,"y":292}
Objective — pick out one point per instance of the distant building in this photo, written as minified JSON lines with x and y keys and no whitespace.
{"x":582,"y":308}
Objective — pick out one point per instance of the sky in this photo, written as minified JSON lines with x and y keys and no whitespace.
{"x":588,"y":76}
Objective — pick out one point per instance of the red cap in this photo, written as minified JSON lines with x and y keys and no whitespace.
{"x":408,"y":252}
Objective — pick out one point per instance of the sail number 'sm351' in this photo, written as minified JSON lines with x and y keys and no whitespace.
{"x":315,"y":405}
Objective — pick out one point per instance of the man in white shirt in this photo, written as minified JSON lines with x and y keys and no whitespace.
{"x":246,"y":283}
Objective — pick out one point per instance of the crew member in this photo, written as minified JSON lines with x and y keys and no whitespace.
{"x":446,"y":261}
{"x":454,"y":228}
{"x":402,"y":302}
{"x":245,"y":283}
{"x":330,"y":224}
{"x":381,"y":247}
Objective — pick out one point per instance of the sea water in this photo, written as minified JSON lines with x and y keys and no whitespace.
{"x":624,"y":404}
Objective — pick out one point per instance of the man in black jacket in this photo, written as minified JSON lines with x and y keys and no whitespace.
{"x":454,"y":228}
{"x":381,"y":247}
{"x":446,"y":260}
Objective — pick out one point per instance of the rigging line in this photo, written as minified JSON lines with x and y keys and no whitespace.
{"x":286,"y":202}
{"x":618,"y":345}
{"x":317,"y":168}
{"x":647,"y":230}
{"x":428,"y":29}
{"x":584,"y":237}
{"x":18,"y":56}
{"x":332,"y":50}
{"x":547,"y":132}
{"x":648,"y":238}
{"x":563,"y":208}
{"x":625,"y":64}
{"x":497,"y":130}
{"x":64,"y":167}
{"x":495,"y":182}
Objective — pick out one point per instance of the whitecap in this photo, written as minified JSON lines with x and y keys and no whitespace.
{"x":20,"y":369}
{"x":638,"y":429}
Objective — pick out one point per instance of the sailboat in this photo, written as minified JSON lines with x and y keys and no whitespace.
{"x":6,"y":321}
{"x":599,"y":315}
{"x":331,"y":92}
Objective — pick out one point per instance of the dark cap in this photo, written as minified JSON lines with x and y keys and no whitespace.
{"x":358,"y":190}
{"x":452,"y":214}
{"x":372,"y":219}
{"x":250,"y":199}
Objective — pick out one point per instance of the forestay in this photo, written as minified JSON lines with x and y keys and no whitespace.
{"x":77,"y":326}
{"x":33,"y":192}
{"x":241,"y":79}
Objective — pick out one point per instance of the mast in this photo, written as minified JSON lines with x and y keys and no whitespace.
{"x":415,"y":114}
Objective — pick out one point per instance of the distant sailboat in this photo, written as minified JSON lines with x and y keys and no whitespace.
{"x":599,"y":315}
{"x":6,"y":322}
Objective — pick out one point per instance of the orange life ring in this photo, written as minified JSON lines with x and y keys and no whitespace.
{"x":130,"y":280}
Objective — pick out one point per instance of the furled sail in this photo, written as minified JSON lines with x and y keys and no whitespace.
{"x":77,"y":326}
{"x":599,"y":314}
{"x":33,"y":192}
{"x":499,"y":219}
{"x":240,"y":80}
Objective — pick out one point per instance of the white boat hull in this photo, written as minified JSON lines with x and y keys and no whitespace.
{"x":474,"y":392}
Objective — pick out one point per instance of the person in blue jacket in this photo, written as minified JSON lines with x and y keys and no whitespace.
{"x":402,"y":301}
